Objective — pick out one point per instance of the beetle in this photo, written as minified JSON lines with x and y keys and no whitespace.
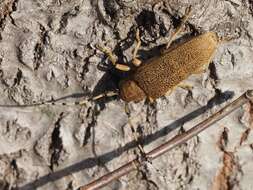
{"x":161,"y":74}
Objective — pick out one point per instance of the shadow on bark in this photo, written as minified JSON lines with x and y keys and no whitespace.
{"x":218,"y":99}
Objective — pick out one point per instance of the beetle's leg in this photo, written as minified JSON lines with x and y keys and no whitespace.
{"x":136,"y":138}
{"x":106,"y":94}
{"x":179,"y":28}
{"x":227,"y":39}
{"x":136,"y":61}
{"x":113,"y":59}
{"x":169,"y":92}
{"x":201,"y":70}
{"x":151,"y":100}
{"x":185,"y":86}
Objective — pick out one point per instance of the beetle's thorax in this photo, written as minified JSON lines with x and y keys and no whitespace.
{"x":130,"y":91}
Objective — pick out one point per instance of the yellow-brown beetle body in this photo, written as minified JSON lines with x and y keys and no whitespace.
{"x":161,"y":74}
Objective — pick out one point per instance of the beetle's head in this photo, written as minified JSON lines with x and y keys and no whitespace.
{"x":130,"y":91}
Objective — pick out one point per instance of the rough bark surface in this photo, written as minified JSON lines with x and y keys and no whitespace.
{"x":47,"y":51}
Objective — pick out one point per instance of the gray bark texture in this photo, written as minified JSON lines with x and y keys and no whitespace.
{"x":48,"y":52}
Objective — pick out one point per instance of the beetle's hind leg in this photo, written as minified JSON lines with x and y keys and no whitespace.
{"x":179,"y":28}
{"x":136,"y":136}
{"x":185,"y":86}
{"x":135,"y":60}
{"x":112,"y":58}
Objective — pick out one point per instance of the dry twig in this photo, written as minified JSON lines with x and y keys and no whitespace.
{"x":177,"y":140}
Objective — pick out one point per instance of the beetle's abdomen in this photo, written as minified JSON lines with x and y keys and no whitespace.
{"x":161,"y":74}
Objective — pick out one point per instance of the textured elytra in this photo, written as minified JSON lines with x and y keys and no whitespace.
{"x":162,"y":74}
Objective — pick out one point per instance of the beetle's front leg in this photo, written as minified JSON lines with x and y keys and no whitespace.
{"x":112,"y":58}
{"x":135,"y":60}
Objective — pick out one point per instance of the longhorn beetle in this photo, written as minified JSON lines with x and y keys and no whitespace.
{"x":161,"y":74}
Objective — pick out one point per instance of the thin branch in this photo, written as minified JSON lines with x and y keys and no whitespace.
{"x":176,"y":141}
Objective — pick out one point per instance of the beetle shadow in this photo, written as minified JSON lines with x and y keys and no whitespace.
{"x":91,"y":162}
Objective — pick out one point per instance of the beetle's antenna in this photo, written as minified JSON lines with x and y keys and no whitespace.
{"x":227,"y":39}
{"x":188,"y":12}
{"x":52,"y":102}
